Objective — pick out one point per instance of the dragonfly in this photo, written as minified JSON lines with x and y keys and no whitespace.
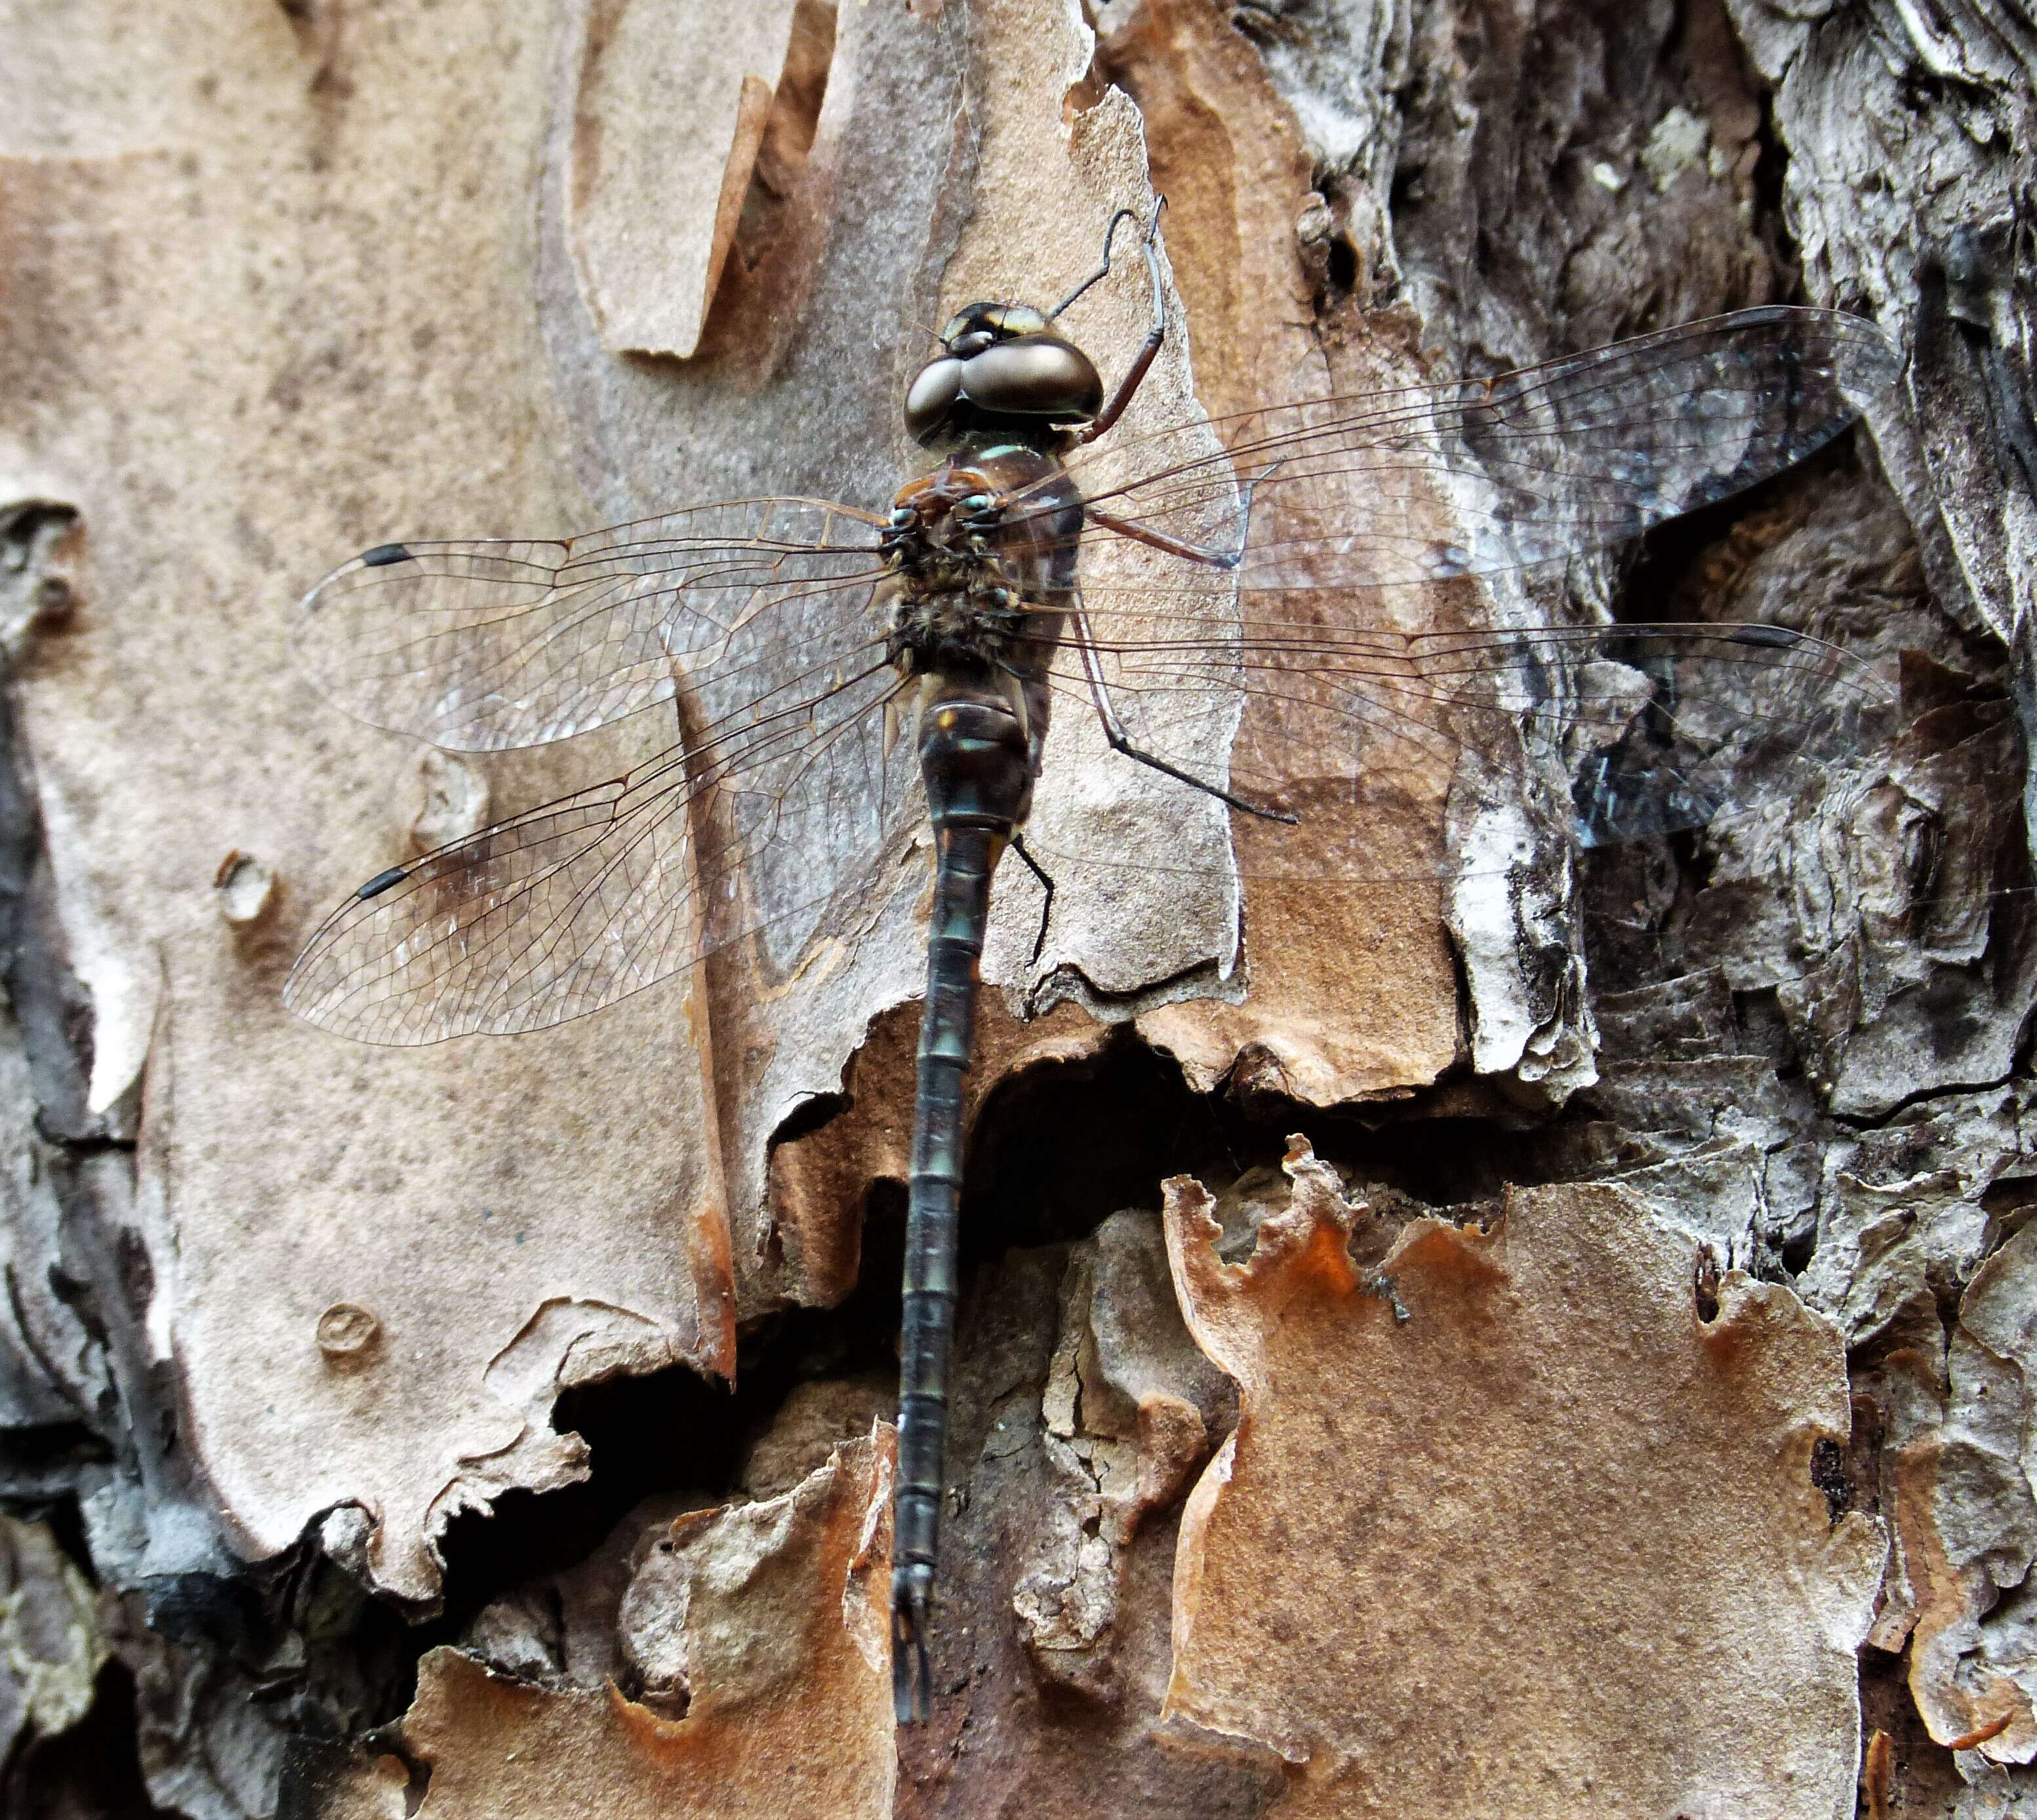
{"x":1179,"y":589}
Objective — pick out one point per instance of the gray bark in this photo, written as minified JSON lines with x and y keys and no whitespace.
{"x":364,"y":1433}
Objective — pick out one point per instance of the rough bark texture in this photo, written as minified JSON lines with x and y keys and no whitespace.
{"x":1623,"y":1402}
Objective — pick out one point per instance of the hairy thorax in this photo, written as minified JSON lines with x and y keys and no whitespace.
{"x":958,"y":604}
{"x":982,"y":550}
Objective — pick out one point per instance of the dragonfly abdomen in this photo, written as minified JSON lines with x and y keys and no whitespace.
{"x":975,"y":756}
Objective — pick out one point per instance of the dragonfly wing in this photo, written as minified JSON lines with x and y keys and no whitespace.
{"x":1393,"y":488}
{"x":1653,"y":728}
{"x":1308,"y":509}
{"x":573,"y":905}
{"x":486,"y":644}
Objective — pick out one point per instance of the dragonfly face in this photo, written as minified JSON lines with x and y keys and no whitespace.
{"x":1002,"y":369}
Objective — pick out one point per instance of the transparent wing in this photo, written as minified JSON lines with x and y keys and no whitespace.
{"x":754,"y":618}
{"x":493,"y":643}
{"x":760,"y":819}
{"x":1648,"y":728}
{"x":1308,"y":515}
{"x":1389,"y":489}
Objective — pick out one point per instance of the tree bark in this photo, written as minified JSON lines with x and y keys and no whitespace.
{"x":1565,"y":1351}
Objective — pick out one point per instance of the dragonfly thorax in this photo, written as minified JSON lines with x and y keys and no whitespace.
{"x":958,"y":604}
{"x":961,"y":629}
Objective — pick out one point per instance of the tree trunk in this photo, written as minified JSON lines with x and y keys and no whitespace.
{"x":1425,"y":1348}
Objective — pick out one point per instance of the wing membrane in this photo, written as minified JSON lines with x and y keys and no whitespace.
{"x":574,"y":904}
{"x":753,"y":617}
{"x":486,"y":644}
{"x":1306,"y":508}
{"x":1389,"y":489}
{"x":1650,"y":728}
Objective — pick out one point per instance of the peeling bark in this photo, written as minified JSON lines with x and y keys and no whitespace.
{"x":1605,"y":1471}
{"x":1635,"y":1390}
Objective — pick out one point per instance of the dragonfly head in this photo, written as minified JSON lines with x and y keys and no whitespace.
{"x":1002,"y":369}
{"x":981,"y":325}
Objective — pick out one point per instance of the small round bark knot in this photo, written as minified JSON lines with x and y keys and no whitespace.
{"x":347,"y":1333}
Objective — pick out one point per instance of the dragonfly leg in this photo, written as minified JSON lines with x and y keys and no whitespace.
{"x":1212,"y":558}
{"x":1046,"y":884}
{"x":1120,"y":741}
{"x":1160,"y":540}
{"x":1096,"y":277}
{"x":1114,"y":406}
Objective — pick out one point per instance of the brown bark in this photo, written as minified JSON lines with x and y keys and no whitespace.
{"x":1627,"y":1385}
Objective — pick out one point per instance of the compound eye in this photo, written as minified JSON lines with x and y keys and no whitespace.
{"x":933,"y":396}
{"x":974,"y":342}
{"x":1033,"y":376}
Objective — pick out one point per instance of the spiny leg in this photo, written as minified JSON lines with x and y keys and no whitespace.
{"x":1202,"y":553}
{"x":1103,"y":270}
{"x":1149,"y":349}
{"x":1120,"y":741}
{"x":1160,"y":540}
{"x":1046,"y":885}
